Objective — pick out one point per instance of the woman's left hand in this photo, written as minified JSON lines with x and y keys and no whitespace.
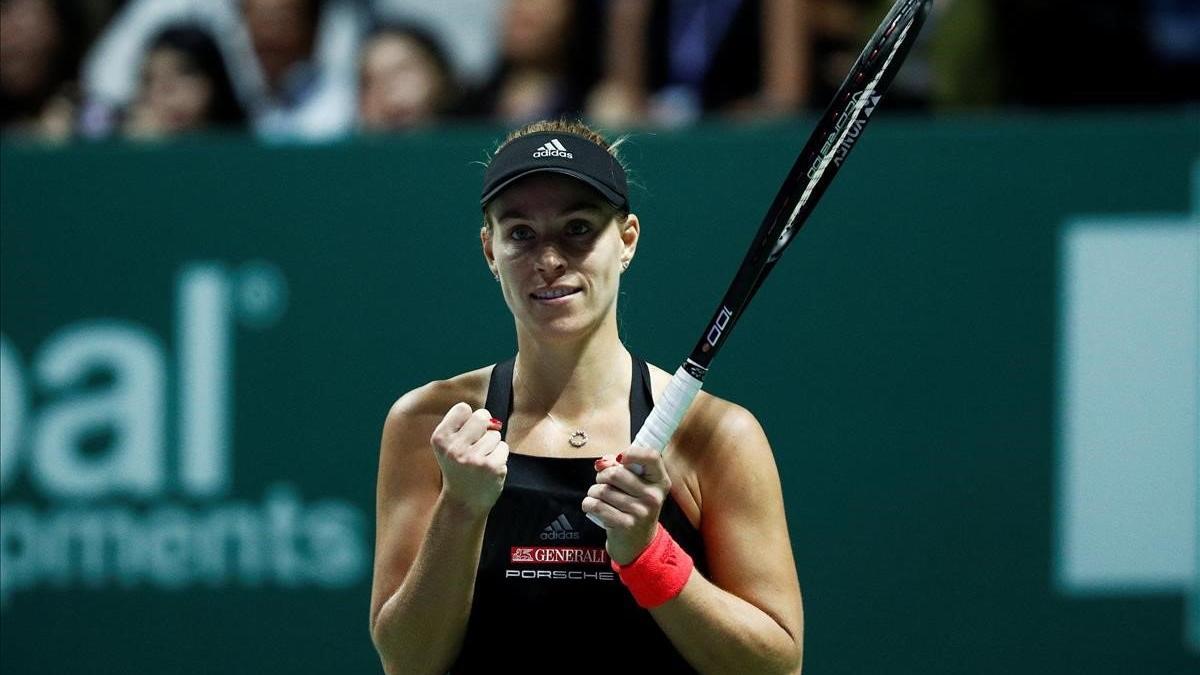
{"x":628,"y":504}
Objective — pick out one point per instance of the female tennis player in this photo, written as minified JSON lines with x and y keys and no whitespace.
{"x":517,"y":527}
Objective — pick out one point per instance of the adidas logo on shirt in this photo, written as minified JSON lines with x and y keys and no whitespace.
{"x":553,"y":149}
{"x":559,"y":528}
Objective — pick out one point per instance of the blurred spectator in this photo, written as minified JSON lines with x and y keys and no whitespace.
{"x":111,"y":73}
{"x":296,"y":70}
{"x":306,"y":96}
{"x":548,"y":61}
{"x":292,"y":63}
{"x":468,"y":30}
{"x":283,"y":33}
{"x":185,"y":87}
{"x":39,"y":59}
{"x":673,"y":60}
{"x":405,"y":80}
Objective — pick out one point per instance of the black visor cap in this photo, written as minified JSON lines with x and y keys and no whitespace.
{"x":561,"y":153}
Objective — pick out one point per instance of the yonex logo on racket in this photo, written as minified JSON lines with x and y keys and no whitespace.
{"x":553,"y":149}
{"x":841,"y":139}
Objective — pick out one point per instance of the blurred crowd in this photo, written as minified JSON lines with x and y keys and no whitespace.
{"x":312,"y":70}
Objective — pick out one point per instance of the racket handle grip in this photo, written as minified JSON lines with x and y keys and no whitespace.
{"x":664,"y":419}
{"x":660,"y":426}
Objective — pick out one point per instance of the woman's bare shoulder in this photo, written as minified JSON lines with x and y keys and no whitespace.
{"x":711,"y":421}
{"x":425,"y":406}
{"x":716,"y":440}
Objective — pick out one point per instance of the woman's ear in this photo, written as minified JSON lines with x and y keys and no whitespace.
{"x":631,"y":231}
{"x":485,"y":242}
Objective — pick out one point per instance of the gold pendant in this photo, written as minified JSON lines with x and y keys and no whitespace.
{"x":579,"y":438}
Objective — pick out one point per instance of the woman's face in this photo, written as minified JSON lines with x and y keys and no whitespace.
{"x":175,"y":95}
{"x":281,"y":32}
{"x":401,"y":84}
{"x":558,"y":248}
{"x":535,"y":32}
{"x":29,"y":37}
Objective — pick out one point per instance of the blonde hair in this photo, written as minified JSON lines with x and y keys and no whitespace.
{"x":565,"y":126}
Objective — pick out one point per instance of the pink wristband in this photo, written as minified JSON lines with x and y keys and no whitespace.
{"x":659,"y":573}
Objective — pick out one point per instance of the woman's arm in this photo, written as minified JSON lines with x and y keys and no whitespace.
{"x":787,"y":55}
{"x":619,"y":99}
{"x":747,"y":616}
{"x":434,"y":494}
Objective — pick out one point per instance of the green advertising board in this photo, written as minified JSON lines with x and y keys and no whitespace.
{"x":200,"y":341}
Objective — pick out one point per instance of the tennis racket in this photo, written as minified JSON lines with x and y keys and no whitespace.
{"x":823,"y":155}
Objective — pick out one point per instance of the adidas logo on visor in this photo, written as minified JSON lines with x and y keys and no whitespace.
{"x":552,"y":149}
{"x":559,"y":528}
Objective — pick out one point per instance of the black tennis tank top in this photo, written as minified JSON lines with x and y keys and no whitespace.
{"x":546,"y":598}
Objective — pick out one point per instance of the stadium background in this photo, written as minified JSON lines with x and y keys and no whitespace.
{"x":200,"y":338}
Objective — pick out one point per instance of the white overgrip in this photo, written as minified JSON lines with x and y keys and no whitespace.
{"x":664,"y":419}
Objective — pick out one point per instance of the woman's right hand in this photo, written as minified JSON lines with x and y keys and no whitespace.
{"x":473,"y":459}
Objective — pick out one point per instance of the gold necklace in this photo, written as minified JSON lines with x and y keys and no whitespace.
{"x":577,"y":438}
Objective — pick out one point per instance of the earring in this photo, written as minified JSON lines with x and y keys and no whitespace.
{"x":624,"y":265}
{"x":496,"y":275}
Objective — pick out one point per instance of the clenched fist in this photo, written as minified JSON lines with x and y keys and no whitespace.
{"x":473,"y":459}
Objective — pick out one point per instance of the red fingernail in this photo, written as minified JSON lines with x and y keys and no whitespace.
{"x":620,"y":456}
{"x":598,"y":464}
{"x":497,"y":423}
